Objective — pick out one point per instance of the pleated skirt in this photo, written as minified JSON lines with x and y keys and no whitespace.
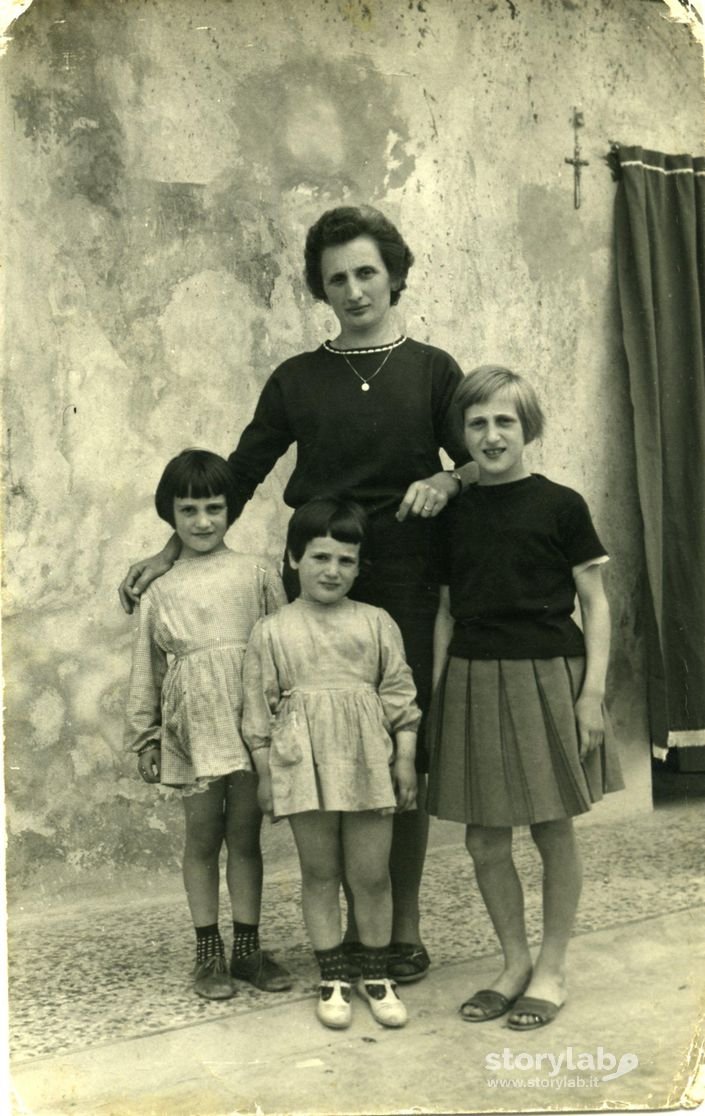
{"x":504,"y":744}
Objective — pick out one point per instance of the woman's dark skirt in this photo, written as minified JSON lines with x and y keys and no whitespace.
{"x":504,"y":744}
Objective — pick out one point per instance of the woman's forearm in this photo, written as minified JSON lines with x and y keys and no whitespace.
{"x":172,"y":549}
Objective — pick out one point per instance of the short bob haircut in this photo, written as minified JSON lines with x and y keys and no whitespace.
{"x":345,"y":223}
{"x":491,"y":379}
{"x":195,"y":474}
{"x":342,"y":519}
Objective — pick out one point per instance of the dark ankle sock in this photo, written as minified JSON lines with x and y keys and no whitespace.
{"x":208,"y":942}
{"x":245,"y":939}
{"x":332,"y":963}
{"x":373,"y":962}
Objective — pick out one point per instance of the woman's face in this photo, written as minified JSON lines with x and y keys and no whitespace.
{"x":357,"y":285}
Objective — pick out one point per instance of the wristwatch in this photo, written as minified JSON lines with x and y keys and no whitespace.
{"x":456,"y":477}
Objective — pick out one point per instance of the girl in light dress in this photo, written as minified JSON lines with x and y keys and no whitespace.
{"x":519,"y":735}
{"x":330,"y":718}
{"x":184,"y":710}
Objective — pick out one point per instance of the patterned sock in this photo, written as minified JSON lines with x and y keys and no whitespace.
{"x":208,"y":942}
{"x":332,"y":963}
{"x":245,"y":939}
{"x":373,"y":962}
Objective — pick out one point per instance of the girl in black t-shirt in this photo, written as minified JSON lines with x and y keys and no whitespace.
{"x":518,"y":733}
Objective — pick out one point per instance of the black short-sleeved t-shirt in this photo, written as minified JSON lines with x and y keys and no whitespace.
{"x":507,"y":553}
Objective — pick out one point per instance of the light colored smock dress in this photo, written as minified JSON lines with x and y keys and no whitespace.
{"x":185,"y":689}
{"x":326,"y":687}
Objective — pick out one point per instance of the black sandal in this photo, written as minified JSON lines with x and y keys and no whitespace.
{"x":492,"y":1005}
{"x":407,"y":962}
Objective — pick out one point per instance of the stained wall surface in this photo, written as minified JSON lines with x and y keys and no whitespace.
{"x":163,"y":159}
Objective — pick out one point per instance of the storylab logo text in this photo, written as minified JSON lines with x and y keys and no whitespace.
{"x":569,"y":1068}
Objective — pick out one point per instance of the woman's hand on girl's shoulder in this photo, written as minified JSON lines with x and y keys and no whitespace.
{"x":143,"y":573}
{"x":138,"y":577}
{"x":428,"y":497}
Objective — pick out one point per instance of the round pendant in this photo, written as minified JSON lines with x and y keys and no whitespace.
{"x":365,"y":387}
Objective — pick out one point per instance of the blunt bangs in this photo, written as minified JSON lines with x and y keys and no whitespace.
{"x":197,"y":474}
{"x":344,"y":520}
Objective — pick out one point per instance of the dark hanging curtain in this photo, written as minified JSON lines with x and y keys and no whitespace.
{"x":660,"y":235}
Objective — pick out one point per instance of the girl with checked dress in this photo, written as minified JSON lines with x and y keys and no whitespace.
{"x":184,"y":709}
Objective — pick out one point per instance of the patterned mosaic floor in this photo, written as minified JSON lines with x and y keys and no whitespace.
{"x":98,"y":974}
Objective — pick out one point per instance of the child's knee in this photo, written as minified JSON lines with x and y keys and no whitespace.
{"x":488,"y":846}
{"x":203,"y":846}
{"x":321,"y":874}
{"x":552,"y":834}
{"x":372,"y":881}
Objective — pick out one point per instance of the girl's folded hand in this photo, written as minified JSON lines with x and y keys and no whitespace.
{"x":149,"y":764}
{"x":404,"y":778}
{"x":264,"y":794}
{"x":591,"y":723}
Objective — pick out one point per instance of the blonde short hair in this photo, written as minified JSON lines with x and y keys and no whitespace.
{"x":489,"y":380}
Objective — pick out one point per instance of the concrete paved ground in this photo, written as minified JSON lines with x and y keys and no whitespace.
{"x":637,"y":990}
{"x":104,"y":1023}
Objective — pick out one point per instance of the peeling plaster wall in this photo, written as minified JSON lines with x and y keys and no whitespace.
{"x":163,"y":160}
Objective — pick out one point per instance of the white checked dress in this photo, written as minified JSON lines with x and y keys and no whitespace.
{"x":186,"y":682}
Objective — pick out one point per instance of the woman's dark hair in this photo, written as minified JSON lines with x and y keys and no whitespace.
{"x":343,"y":520}
{"x":345,"y":223}
{"x":195,"y":473}
{"x":492,"y":379}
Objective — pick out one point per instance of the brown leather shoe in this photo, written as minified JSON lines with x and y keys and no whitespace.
{"x":261,"y":970}
{"x":211,"y":980}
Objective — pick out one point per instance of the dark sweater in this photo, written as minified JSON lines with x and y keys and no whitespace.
{"x":370,"y":445}
{"x":507,"y":552}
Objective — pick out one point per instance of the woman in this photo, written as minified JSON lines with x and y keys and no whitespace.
{"x":369,"y":412}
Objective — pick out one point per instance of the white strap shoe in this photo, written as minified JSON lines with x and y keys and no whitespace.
{"x":384,"y":1002}
{"x":333,"y":1007}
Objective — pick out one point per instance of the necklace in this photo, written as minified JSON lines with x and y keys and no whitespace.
{"x":365,"y":380}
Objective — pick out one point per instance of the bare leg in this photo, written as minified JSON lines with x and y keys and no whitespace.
{"x":367,"y":838}
{"x":491,"y":852}
{"x":243,"y":821}
{"x":562,"y":884}
{"x":408,"y":853}
{"x":205,"y":830}
{"x":318,"y":842}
